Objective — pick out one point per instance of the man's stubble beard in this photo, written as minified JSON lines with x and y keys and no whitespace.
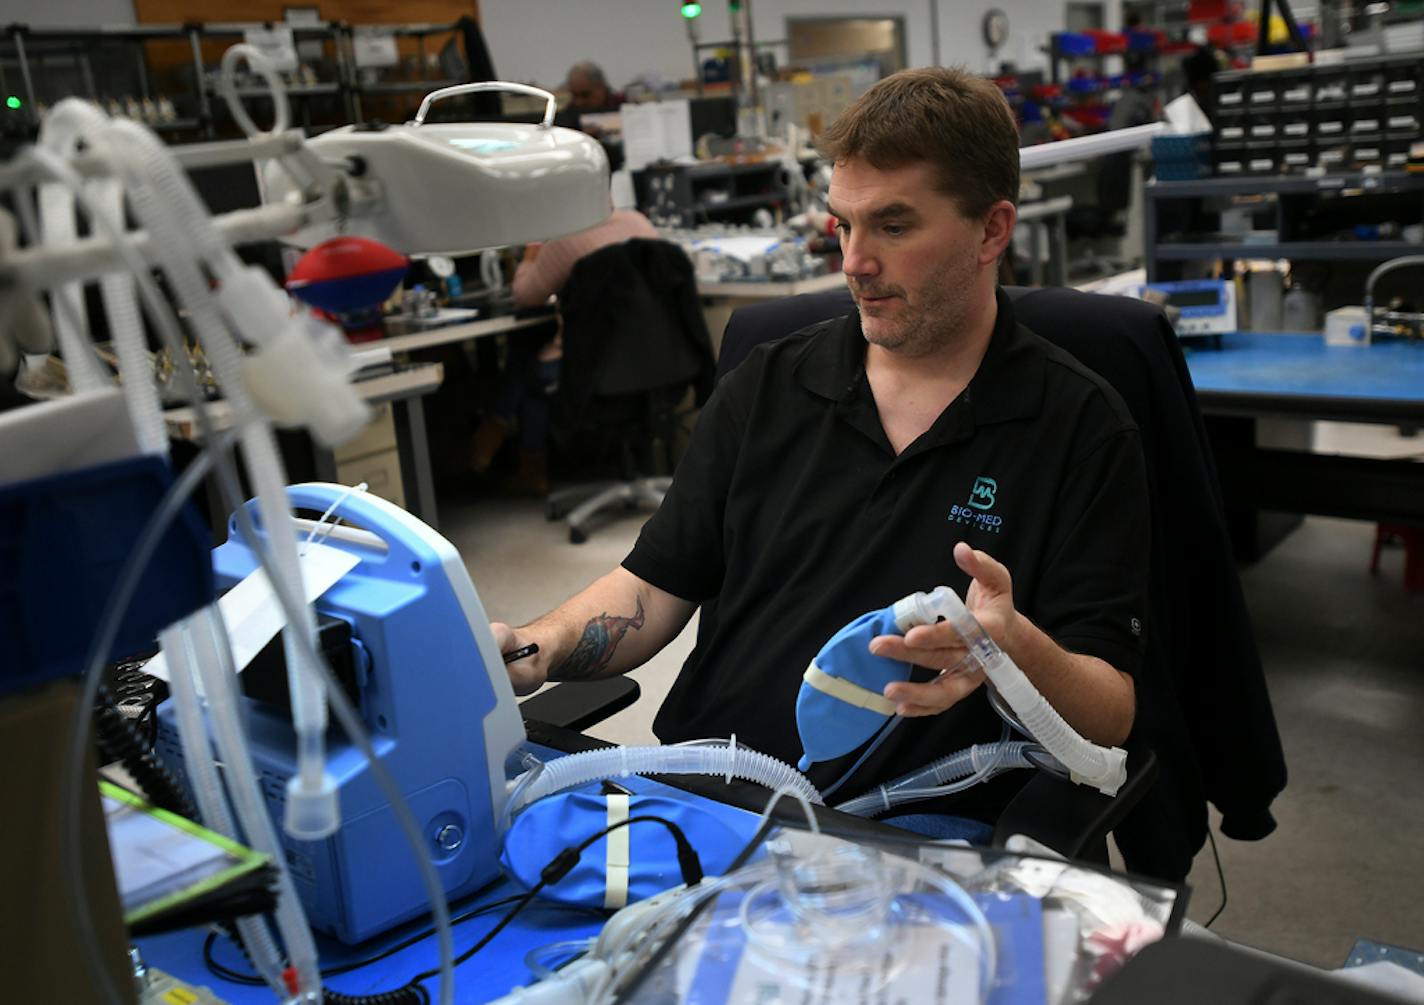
{"x":935,"y":318}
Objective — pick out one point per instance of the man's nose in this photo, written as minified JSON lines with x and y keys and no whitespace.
{"x":857,"y":257}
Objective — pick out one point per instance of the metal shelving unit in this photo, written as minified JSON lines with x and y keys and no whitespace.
{"x":105,"y":64}
{"x":686,"y":195}
{"x":41,"y":65}
{"x":1303,"y":251}
{"x":421,"y":33}
{"x":1293,"y":197}
{"x":304,"y":96}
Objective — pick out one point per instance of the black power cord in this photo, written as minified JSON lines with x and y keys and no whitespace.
{"x":562,"y":864}
{"x":413,"y":992}
{"x":1220,"y":875}
{"x":226,"y":973}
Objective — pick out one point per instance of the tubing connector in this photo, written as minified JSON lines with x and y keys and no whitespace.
{"x":299,"y":377}
{"x":313,"y":812}
{"x":1103,"y":768}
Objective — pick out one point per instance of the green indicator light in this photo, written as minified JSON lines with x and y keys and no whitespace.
{"x":691,"y":10}
{"x":12,"y":102}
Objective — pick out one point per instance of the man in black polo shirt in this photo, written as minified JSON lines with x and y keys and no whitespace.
{"x":926,"y":439}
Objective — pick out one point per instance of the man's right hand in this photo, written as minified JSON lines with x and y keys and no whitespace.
{"x":527,"y":675}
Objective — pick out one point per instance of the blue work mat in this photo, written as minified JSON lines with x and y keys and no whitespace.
{"x":1291,"y":364}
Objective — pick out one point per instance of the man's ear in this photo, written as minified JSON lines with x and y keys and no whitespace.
{"x":998,"y":231}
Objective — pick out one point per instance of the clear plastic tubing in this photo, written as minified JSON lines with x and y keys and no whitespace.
{"x":214,"y":665}
{"x":723,"y":759}
{"x":202,"y":772}
{"x":158,"y":194}
{"x":1104,"y":768}
{"x":311,"y":805}
{"x":927,"y":782}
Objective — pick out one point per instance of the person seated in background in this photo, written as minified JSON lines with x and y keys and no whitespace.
{"x":589,"y":95}
{"x":533,"y":361}
{"x":588,"y":89}
{"x":926,"y":439}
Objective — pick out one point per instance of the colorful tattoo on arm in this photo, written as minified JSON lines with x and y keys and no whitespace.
{"x":595,"y":649}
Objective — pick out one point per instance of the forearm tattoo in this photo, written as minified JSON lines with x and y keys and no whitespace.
{"x":595,"y":649}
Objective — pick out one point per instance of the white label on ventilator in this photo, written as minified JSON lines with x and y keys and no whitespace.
{"x":254,"y":615}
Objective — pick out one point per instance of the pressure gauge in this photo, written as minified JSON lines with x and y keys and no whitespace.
{"x":995,"y":27}
{"x":441,"y":266}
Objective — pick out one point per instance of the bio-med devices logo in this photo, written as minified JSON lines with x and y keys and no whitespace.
{"x":983,"y":494}
{"x":975,"y":512}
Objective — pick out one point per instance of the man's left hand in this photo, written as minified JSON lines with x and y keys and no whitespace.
{"x":991,"y":600}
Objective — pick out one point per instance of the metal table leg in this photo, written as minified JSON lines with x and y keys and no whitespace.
{"x":414,"y":450}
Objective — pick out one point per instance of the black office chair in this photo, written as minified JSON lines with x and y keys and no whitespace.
{"x":1204,"y":717}
{"x":635,"y":346}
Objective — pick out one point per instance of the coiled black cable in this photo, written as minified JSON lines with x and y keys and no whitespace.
{"x":411,"y":994}
{"x":119,"y":740}
{"x":405,"y":995}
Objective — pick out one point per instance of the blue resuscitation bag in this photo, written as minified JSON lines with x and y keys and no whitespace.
{"x":633,"y":862}
{"x":841,"y":703}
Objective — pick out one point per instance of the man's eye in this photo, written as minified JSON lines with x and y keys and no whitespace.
{"x":895,"y":229}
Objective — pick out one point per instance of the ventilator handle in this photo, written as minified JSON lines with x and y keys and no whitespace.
{"x":550,"y":102}
{"x":394,"y":535}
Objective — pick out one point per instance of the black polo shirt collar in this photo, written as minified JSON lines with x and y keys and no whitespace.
{"x":1008,"y":384}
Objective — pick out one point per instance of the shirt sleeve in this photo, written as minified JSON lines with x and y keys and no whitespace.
{"x":681,"y":548}
{"x":1092,"y":594}
{"x":537,"y":281}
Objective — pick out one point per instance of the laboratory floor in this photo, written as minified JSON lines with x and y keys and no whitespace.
{"x":1344,"y":656}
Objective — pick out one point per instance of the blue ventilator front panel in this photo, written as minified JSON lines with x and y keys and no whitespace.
{"x":1303,"y":365}
{"x":431,"y":701}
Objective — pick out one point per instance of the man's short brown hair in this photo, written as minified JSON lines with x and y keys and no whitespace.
{"x":957,"y":122}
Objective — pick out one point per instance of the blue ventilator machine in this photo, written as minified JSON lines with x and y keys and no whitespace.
{"x":432,"y":690}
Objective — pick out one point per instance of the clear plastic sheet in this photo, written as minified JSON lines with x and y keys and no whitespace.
{"x":818,"y":919}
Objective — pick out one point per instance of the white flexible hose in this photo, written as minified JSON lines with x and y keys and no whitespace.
{"x":158,"y":193}
{"x":68,"y":123}
{"x":163,"y":318}
{"x":227,"y":87}
{"x":126,"y":330}
{"x":725,"y":761}
{"x":58,"y":226}
{"x":1104,"y":768}
{"x":183,"y":662}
